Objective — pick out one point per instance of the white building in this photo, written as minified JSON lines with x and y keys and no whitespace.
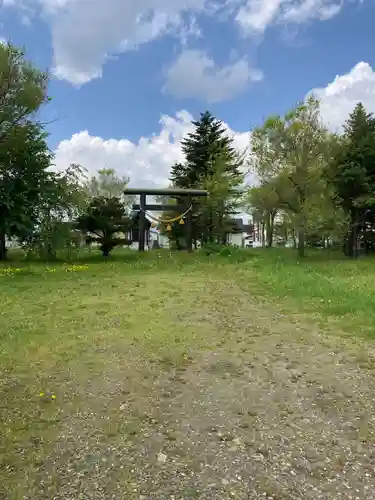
{"x":241,"y":235}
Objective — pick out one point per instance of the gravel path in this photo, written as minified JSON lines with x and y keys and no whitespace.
{"x":277,"y":410}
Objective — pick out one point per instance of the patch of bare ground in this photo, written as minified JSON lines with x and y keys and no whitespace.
{"x":276,"y":410}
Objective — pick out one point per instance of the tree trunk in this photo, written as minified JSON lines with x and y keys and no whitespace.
{"x":350,"y":243}
{"x":301,"y":241}
{"x":301,"y":235}
{"x":3,"y":248}
{"x":355,"y":240}
{"x":262,"y":235}
{"x":294,"y":238}
{"x":210,"y":227}
{"x":270,"y":226}
{"x":51,"y":254}
{"x":268,"y":231}
{"x":273,"y":215}
{"x":301,"y":174}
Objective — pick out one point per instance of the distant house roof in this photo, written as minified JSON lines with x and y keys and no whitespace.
{"x":237,"y":226}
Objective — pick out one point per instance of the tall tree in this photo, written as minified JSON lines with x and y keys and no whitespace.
{"x":294,"y":148}
{"x":210,"y":161}
{"x":225,"y":198}
{"x":265,"y":200}
{"x":23,"y":89}
{"x":353,"y":173}
{"x":24,"y":162}
{"x":200,"y":148}
{"x":24,"y":155}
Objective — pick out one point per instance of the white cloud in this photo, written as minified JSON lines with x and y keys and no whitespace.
{"x":195,"y":75}
{"x":146,"y":162}
{"x":256,"y":15}
{"x":85,"y":33}
{"x":339,"y":97}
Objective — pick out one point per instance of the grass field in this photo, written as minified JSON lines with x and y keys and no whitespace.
{"x":181,"y":376}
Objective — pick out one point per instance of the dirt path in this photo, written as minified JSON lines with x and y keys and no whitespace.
{"x":276,"y":411}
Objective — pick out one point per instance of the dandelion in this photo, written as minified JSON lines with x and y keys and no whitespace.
{"x":41,"y":394}
{"x":10,"y":271}
{"x":77,"y":267}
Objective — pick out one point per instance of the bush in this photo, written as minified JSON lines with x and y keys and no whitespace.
{"x":231,"y":253}
{"x":212,"y":249}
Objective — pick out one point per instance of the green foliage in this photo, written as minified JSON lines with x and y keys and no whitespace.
{"x":315,"y":187}
{"x":211,"y":163}
{"x":289,"y":154}
{"x":24,"y":155}
{"x":227,"y":253}
{"x":352,"y":174}
{"x":109,"y":185}
{"x":321,"y":184}
{"x":104,"y":222}
{"x":49,"y":239}
{"x":23,"y":89}
{"x":62,"y":200}
{"x":212,"y":249}
{"x":24,"y":160}
{"x":177,"y":232}
{"x":201,"y":148}
{"x":264,"y":201}
{"x":224,"y":200}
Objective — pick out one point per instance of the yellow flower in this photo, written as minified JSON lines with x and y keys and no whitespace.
{"x":77,"y":267}
{"x":11,"y":270}
{"x":41,"y":394}
{"x":53,"y":396}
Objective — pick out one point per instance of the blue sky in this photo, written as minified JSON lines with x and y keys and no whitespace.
{"x":128,"y":76}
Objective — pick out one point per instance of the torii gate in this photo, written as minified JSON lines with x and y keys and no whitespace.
{"x":188,"y":194}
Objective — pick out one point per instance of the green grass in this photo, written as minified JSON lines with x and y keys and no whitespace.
{"x":44,"y":304}
{"x":65,"y":326}
{"x":325,"y":285}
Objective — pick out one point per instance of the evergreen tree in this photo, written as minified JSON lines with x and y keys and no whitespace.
{"x":353,"y":173}
{"x":208,"y":140}
{"x":105,"y":221}
{"x":210,"y":160}
{"x":179,"y":175}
